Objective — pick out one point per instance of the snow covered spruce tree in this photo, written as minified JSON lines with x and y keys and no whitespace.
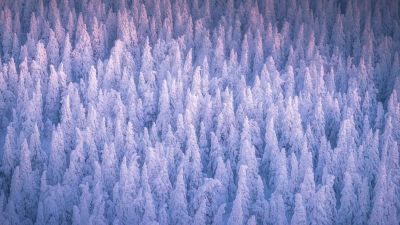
{"x":199,"y":112}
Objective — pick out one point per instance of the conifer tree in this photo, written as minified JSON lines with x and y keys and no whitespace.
{"x":300,"y":215}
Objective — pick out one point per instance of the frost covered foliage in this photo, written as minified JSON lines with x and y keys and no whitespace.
{"x":199,"y":112}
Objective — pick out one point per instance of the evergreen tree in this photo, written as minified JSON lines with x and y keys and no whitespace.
{"x":82,"y":55}
{"x":300,"y":215}
{"x":307,"y":189}
{"x":147,"y":82}
{"x":277,"y":210}
{"x":53,"y":97}
{"x":347,"y":201}
{"x":109,"y":166}
{"x":92,"y":88}
{"x":178,"y":201}
{"x":57,"y":158}
{"x":383,"y":209}
{"x":52,"y":49}
{"x":164,"y":115}
{"x":240,"y":208}
{"x":9,"y":159}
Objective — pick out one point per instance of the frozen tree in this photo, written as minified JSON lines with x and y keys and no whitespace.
{"x":75,"y":172}
{"x":325,"y":203}
{"x":53,"y":97}
{"x":147,"y":82}
{"x":127,"y":190}
{"x":149,"y":215}
{"x":28,"y":189}
{"x":218,"y":218}
{"x":247,"y":151}
{"x":109,"y":166}
{"x":7,"y":33}
{"x":67,"y":123}
{"x":82,"y":55}
{"x":300,"y":215}
{"x":57,"y":158}
{"x":66,"y":56}
{"x":15,"y":202}
{"x":240,"y":208}
{"x":39,"y":63}
{"x":163,"y":120}
{"x":92,"y":85}
{"x":383,"y":203}
{"x":53,"y":49}
{"x":364,"y":203}
{"x":98,"y":39}
{"x":277,"y":210}
{"x":39,"y":156}
{"x":200,"y":217}
{"x":9,"y":159}
{"x":193,"y":157}
{"x":236,"y":217}
{"x":178,"y":201}
{"x":347,"y":201}
{"x":307,"y":190}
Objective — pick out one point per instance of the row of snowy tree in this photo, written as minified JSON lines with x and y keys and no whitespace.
{"x":199,"y":112}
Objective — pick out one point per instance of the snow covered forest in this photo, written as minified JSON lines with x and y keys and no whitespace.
{"x":182,"y":112}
